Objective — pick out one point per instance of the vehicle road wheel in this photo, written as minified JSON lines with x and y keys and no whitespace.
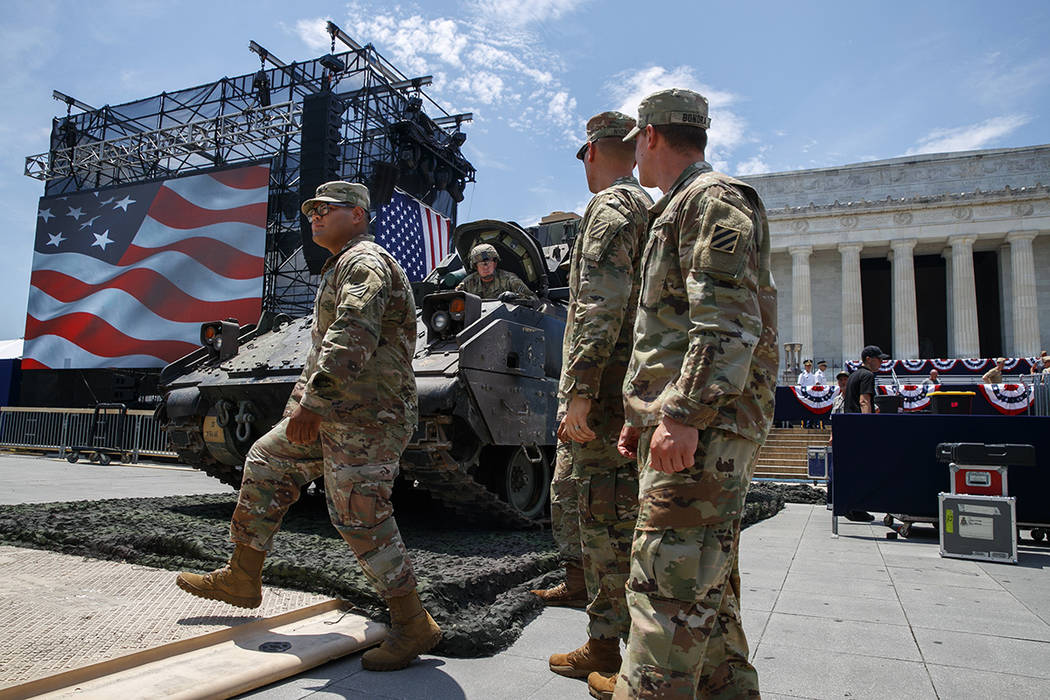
{"x":72,"y":457}
{"x":103,"y":458}
{"x":525,"y":484}
{"x":125,"y":458}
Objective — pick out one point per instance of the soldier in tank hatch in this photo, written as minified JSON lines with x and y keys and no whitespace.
{"x":595,"y":488}
{"x":349,"y":418}
{"x":489,"y":282}
{"x":699,"y":403}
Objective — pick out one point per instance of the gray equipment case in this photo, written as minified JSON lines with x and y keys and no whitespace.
{"x":978,"y":527}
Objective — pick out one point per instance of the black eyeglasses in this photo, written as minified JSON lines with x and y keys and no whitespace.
{"x":322,"y":208}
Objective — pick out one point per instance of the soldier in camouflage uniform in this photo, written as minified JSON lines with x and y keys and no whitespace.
{"x":603,"y":290}
{"x":699,"y":401}
{"x":488,"y":282}
{"x":565,"y":527}
{"x":349,"y":418}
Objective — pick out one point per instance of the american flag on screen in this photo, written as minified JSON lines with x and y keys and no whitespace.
{"x":124,"y":277}
{"x":416,"y":235}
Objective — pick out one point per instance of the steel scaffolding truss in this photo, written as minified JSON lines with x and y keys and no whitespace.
{"x":254,"y":134}
{"x":257,"y":117}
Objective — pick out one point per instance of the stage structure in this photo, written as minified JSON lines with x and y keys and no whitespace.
{"x":348,"y":115}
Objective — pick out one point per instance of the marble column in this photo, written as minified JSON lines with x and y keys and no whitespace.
{"x":967,"y":341}
{"x":801,"y":299}
{"x":1026,"y":312}
{"x":905,"y":319}
{"x":852,"y":302}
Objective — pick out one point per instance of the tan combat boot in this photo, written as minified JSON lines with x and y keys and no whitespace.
{"x":412,"y":632}
{"x":571,"y":593}
{"x":238,"y":583}
{"x":601,"y":685}
{"x":595,"y":655}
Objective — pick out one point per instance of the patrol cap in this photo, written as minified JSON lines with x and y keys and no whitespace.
{"x":672,"y":106}
{"x":481,"y":252}
{"x":338,"y":192}
{"x":605,"y":125}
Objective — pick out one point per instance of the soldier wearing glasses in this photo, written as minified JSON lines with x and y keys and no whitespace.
{"x":349,"y":418}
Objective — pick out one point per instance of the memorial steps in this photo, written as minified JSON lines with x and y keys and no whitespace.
{"x":783,"y":456}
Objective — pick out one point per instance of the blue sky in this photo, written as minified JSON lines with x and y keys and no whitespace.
{"x":791,"y":85}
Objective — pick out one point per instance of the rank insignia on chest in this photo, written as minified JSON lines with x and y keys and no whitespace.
{"x":724,"y":240}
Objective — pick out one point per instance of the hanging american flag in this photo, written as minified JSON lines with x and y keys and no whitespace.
{"x":416,"y":235}
{"x":124,"y":277}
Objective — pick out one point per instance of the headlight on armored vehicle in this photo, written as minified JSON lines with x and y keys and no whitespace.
{"x":456,"y":308}
{"x":220,"y":338}
{"x":439,"y":321}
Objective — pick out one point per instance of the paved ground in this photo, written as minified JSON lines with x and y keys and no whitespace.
{"x":856,"y":616}
{"x":33,"y":479}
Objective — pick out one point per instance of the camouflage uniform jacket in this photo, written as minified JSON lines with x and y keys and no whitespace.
{"x":359,"y":369}
{"x":603,"y":291}
{"x":705,"y":338}
{"x":503,"y":282}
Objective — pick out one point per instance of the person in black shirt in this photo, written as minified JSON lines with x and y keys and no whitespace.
{"x":860,"y":398}
{"x":860,"y":388}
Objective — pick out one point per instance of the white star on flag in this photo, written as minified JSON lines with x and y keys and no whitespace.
{"x":88,"y":223}
{"x":123,"y":204}
{"x":76,"y":213}
{"x":45,"y":214}
{"x":102,"y":240}
{"x":55,"y":239}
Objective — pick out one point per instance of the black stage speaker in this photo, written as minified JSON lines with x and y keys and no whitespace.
{"x":384,"y":179}
{"x":320,"y":161}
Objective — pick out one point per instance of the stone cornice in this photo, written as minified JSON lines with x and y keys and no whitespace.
{"x":908,"y":203}
{"x":907,"y":177}
{"x":981,"y":215}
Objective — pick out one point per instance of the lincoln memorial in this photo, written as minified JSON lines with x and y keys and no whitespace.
{"x":927,"y":256}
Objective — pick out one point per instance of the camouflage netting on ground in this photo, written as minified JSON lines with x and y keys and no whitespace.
{"x":474,"y":582}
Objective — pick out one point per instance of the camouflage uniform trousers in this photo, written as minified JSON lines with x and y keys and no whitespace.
{"x":683,"y":593}
{"x":565,"y":518}
{"x":358,"y":500}
{"x":608,"y":507}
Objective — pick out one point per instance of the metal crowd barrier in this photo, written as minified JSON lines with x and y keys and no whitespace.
{"x":1040,"y":395}
{"x":56,"y":429}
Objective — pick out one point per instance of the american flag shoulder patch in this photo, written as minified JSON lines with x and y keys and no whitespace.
{"x":724,"y":239}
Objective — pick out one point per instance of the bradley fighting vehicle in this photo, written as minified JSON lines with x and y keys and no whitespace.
{"x":486,"y":372}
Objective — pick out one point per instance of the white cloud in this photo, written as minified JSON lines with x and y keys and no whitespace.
{"x":998,"y":81}
{"x":519,"y":13}
{"x":752,"y":166}
{"x":488,"y":55}
{"x":314,"y":33}
{"x":968,"y":138}
{"x":728,"y":130}
{"x":486,"y":87}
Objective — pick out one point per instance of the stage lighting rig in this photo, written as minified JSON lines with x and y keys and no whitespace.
{"x":72,"y":101}
{"x":457,"y":139}
{"x":261,"y":85}
{"x":332,"y":63}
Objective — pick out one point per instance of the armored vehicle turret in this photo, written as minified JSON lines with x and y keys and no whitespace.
{"x":486,"y":373}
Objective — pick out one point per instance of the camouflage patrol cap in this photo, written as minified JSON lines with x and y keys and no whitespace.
{"x":338,"y":192}
{"x":605,"y":125}
{"x":673,"y":106}
{"x":483,"y":251}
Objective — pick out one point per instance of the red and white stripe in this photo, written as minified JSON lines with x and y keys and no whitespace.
{"x":436,"y":236}
{"x":198,"y":256}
